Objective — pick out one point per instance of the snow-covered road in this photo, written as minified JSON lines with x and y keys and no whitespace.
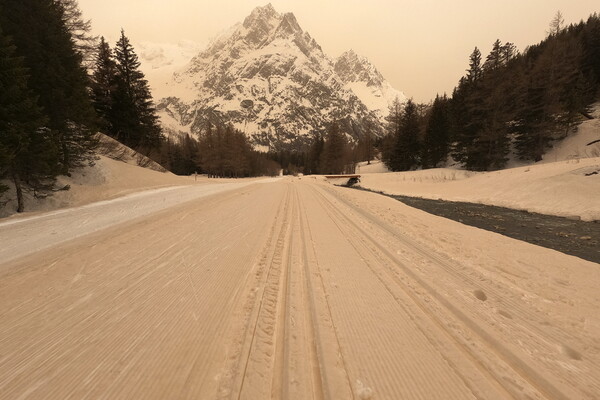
{"x":289,"y":290}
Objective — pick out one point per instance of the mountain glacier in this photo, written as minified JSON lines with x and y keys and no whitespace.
{"x":271,"y":80}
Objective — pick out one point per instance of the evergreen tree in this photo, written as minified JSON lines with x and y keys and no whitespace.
{"x":437,"y":134}
{"x":475,"y":69}
{"x":388,"y":145}
{"x":104,"y":86}
{"x":314,"y":156}
{"x":468,"y":148}
{"x":56,"y":75}
{"x":406,"y":149}
{"x":531,"y":98}
{"x":496,"y":57}
{"x":336,"y":156}
{"x":509,"y":52}
{"x":536,"y":117}
{"x":179,"y":155}
{"x":365,"y":148}
{"x":26,"y":151}
{"x":590,"y":40}
{"x":133,"y":115}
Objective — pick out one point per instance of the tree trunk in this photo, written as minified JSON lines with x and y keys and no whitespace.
{"x":17,"y":182}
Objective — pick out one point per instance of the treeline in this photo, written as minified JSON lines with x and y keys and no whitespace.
{"x":509,"y":101}
{"x":47,"y":120}
{"x":221,"y":152}
{"x":332,"y":153}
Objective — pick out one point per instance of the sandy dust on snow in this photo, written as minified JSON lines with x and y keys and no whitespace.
{"x":297,"y":290}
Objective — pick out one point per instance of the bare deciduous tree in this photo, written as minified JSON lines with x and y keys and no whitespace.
{"x":557,"y":24}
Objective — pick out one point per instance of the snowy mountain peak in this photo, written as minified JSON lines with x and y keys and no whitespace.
{"x":360,"y":76}
{"x":272,"y":80}
{"x":289,"y":24}
{"x":259,"y":24}
{"x":264,"y":13}
{"x":352,"y":67}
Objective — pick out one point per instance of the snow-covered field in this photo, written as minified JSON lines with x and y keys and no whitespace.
{"x":564,"y":188}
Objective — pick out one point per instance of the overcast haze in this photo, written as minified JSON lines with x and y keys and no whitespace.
{"x":421,"y":47}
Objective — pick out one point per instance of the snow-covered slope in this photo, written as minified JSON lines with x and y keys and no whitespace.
{"x":272,"y":80}
{"x":583,"y":143}
{"x":160,"y":60}
{"x":366,"y":82}
{"x":565,"y":188}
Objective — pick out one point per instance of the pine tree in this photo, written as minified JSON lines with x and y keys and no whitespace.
{"x":591,"y":53}
{"x":336,"y":156}
{"x":56,"y":75}
{"x":314,"y":156}
{"x":104,"y":86}
{"x":475,"y":69}
{"x":467,"y":111}
{"x":394,"y":121}
{"x":534,"y":98}
{"x":406,"y":150}
{"x":26,"y":151}
{"x":509,"y":52}
{"x":365,"y":148}
{"x":133,"y":120}
{"x":496,"y":57}
{"x":437,"y":134}
{"x":535,"y":119}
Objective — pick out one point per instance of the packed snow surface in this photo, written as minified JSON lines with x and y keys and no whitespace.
{"x":262,"y":290}
{"x":30,"y":234}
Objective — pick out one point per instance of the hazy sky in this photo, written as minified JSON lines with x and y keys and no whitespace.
{"x":420,"y":46}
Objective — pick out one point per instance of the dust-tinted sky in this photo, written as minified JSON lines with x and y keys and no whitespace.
{"x":420,"y":46}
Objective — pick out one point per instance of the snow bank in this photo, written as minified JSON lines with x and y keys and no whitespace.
{"x":580,"y":144}
{"x":567,"y":188}
{"x":106,"y":179}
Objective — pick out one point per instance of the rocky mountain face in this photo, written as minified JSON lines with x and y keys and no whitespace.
{"x":366,"y":82}
{"x":272,"y":80}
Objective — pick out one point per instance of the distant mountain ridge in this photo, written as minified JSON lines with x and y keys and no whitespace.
{"x":271,"y":79}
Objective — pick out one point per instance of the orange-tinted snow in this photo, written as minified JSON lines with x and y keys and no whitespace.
{"x":295,"y":289}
